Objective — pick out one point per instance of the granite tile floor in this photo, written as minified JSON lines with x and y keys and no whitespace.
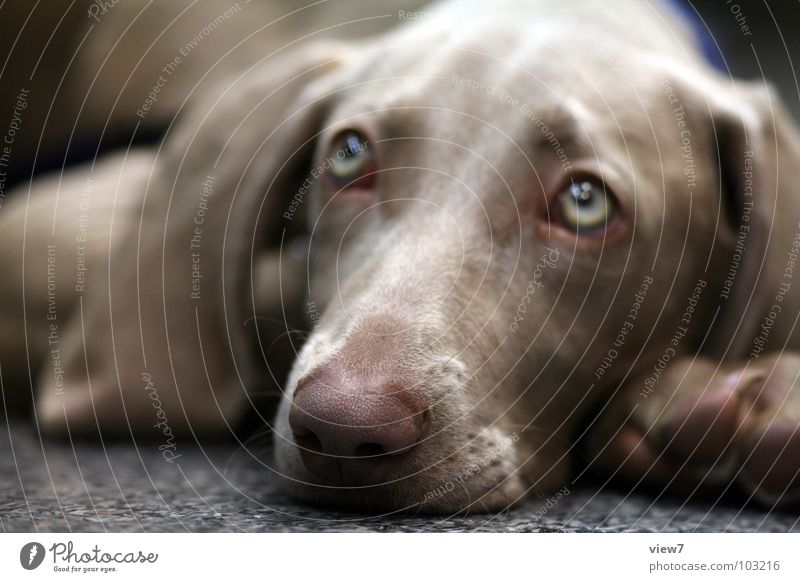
{"x":89,"y":487}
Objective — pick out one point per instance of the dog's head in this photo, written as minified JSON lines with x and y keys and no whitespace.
{"x":503,"y":224}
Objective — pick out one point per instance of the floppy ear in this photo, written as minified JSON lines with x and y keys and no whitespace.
{"x":162,"y":343}
{"x":758,"y":154}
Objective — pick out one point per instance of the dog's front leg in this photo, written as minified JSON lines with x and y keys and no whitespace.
{"x":700,"y":426}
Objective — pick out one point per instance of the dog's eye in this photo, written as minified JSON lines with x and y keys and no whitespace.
{"x":351,"y":160}
{"x":585,"y":206}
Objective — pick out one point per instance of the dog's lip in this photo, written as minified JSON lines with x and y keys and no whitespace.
{"x":352,"y":473}
{"x":416,"y":476}
{"x":421,"y":486}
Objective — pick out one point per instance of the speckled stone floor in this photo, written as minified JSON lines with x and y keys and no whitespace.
{"x":48,"y":486}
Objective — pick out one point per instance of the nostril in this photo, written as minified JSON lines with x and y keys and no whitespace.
{"x":357,"y":431}
{"x":308,"y":441}
{"x":369,"y":450}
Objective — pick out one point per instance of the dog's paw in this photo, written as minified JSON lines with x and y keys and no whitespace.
{"x":703,"y":427}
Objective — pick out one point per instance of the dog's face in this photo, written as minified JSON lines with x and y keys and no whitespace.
{"x":494,"y":238}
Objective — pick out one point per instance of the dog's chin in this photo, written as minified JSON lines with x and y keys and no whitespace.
{"x":483,"y":476}
{"x":383,"y":500}
{"x":410,"y":495}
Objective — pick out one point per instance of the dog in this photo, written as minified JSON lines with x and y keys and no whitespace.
{"x":520,"y":233}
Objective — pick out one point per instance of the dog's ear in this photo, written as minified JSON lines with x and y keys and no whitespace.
{"x":758,"y":155}
{"x":170,"y":323}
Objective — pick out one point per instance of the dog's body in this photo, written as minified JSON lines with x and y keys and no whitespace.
{"x":465,"y":332}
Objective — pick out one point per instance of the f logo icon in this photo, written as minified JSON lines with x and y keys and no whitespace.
{"x":31,"y":555}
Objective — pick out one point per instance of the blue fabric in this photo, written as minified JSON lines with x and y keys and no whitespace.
{"x":703,"y":36}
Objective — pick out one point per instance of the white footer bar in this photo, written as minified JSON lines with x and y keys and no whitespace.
{"x":401,"y":557}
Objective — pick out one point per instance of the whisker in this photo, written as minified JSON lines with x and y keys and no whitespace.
{"x":262,"y":318}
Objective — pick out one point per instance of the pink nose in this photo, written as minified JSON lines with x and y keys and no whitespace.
{"x":356,"y":432}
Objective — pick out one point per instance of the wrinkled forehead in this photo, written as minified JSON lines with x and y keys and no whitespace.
{"x":535,"y":51}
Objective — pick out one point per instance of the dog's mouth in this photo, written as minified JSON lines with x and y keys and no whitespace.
{"x":368,"y":422}
{"x":444,"y":470}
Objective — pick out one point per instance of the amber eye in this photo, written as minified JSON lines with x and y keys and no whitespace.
{"x":585,"y":206}
{"x":350,"y":160}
